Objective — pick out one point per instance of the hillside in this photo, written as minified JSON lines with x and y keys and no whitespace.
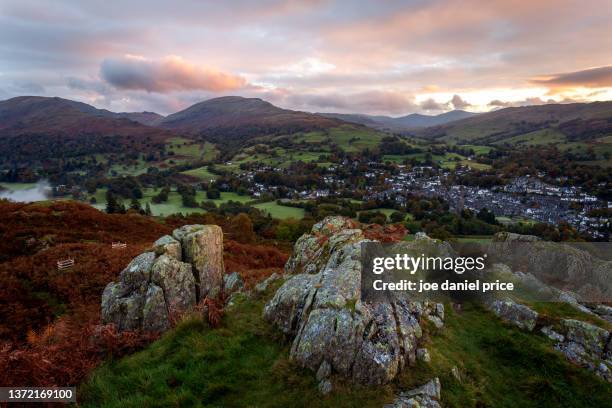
{"x":49,"y":319}
{"x":497,"y":126}
{"x":312,"y":325}
{"x":234,"y":117}
{"x":38,"y":128}
{"x":144,"y":118}
{"x":412,"y":121}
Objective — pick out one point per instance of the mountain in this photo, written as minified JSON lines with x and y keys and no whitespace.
{"x":235,"y":117}
{"x":144,"y":118}
{"x":414,"y":120}
{"x":572,"y":121}
{"x":38,"y":114}
{"x":36,"y":128}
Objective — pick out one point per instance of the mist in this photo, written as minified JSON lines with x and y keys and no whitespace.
{"x":41,"y":191}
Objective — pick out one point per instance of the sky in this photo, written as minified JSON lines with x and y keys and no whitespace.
{"x":377,"y":57}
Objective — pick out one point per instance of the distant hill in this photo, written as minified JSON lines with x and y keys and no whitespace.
{"x":574,"y":121}
{"x":235,"y":117}
{"x":145,"y":118}
{"x":412,"y":121}
{"x":35,"y":128}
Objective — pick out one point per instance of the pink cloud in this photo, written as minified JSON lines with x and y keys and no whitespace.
{"x":166,"y":75}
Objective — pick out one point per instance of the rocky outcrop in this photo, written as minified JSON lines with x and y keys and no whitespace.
{"x":171,"y":278}
{"x":425,"y":396}
{"x":564,"y":266}
{"x":586,"y":345}
{"x":319,"y":308}
{"x":515,"y":313}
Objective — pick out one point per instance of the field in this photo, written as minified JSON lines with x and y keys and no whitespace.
{"x":448,"y":160}
{"x":174,"y":204}
{"x":18,"y":186}
{"x":281,"y":211}
{"x":201,"y":173}
{"x":348,"y":138}
{"x":187,"y":150}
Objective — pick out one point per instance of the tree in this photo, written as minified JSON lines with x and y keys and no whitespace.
{"x":148,"y":210}
{"x":213,"y":194}
{"x":241,"y":228}
{"x":112,"y":206}
{"x":397,"y":216}
{"x":486,"y":216}
{"x":135,"y":205}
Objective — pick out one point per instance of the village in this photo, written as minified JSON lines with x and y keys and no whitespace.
{"x":526,"y":198}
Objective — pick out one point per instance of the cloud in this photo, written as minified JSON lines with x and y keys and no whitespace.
{"x":374,"y":102}
{"x":496,"y":103}
{"x":432,"y":105}
{"x":459,"y":103}
{"x":166,"y":75}
{"x":600,"y":77}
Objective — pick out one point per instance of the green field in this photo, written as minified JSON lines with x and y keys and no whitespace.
{"x":281,"y":212}
{"x":187,"y":150}
{"x":174,"y":204}
{"x":536,"y":138}
{"x":18,"y":186}
{"x":348,"y":138}
{"x":201,"y":173}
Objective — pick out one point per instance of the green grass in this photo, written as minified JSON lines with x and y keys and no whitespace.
{"x":244,"y":363}
{"x":174,"y":204}
{"x":281,"y":211}
{"x":536,"y":138}
{"x":186,"y":150}
{"x":349,"y":138}
{"x":478,"y":149}
{"x":18,"y":186}
{"x":502,"y":366}
{"x":202,"y":173}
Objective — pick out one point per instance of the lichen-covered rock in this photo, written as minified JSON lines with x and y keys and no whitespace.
{"x":138,"y":272}
{"x":319,"y":307}
{"x":588,"y":346}
{"x":202,"y":247}
{"x":155,"y":311}
{"x":311,"y":249}
{"x":426,"y":396}
{"x":261,"y":287}
{"x":169,"y":246}
{"x":515,"y":313}
{"x":157,"y":286}
{"x":119,"y":308}
{"x":422,"y":354}
{"x":177,"y":282}
{"x":232,"y":283}
{"x":324,"y":371}
{"x":325,"y":387}
{"x":551,"y":334}
{"x":594,"y":339}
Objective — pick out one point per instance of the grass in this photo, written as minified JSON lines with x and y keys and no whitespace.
{"x":502,"y":366}
{"x":244,"y":363}
{"x":174,"y":204}
{"x":189,"y":150}
{"x":201,"y":173}
{"x":281,"y":211}
{"x":348,"y":138}
{"x":18,"y":186}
